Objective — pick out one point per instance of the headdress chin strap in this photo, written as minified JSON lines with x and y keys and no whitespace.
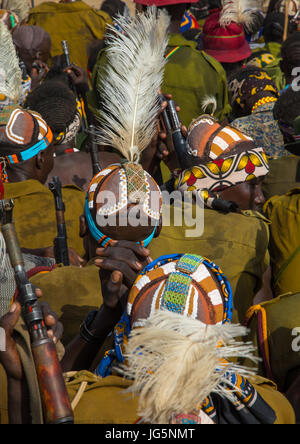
{"x":101,"y":238}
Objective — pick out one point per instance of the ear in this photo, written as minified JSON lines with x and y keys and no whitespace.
{"x":83,"y":230}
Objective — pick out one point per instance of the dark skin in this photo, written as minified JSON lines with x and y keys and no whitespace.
{"x":38,"y":168}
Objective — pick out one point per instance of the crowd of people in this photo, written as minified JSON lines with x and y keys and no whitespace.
{"x":184,"y":114}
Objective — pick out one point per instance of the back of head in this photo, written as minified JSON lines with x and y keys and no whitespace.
{"x":287,"y":112}
{"x":273,"y":27}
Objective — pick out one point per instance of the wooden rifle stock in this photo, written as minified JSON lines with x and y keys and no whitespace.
{"x":54,"y":395}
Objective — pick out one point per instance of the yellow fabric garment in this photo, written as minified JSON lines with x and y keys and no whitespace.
{"x":284,"y":213}
{"x":34,"y":214}
{"x":237,"y":243}
{"x":284,"y":175}
{"x":76,"y":22}
{"x":71,"y":292}
{"x":282,"y":317}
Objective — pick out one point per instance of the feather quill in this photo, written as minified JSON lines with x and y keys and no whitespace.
{"x":238,"y":11}
{"x":176,"y":362}
{"x":10,"y":72}
{"x":19,"y":7}
{"x":132,"y":79}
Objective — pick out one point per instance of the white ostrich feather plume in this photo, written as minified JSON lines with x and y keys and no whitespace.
{"x":129,"y":87}
{"x":209,"y":103}
{"x":19,"y":7}
{"x":238,"y":11}
{"x":176,"y":362}
{"x":10,"y":72}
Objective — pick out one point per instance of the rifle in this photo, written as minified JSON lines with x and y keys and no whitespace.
{"x":54,"y":395}
{"x":94,"y":152}
{"x":60,"y":242}
{"x":173,"y":127}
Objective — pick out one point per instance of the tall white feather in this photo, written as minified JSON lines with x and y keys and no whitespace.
{"x":238,"y":11}
{"x":130,"y":85}
{"x":10,"y":72}
{"x":176,"y":362}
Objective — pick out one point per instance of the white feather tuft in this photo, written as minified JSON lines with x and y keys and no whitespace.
{"x":238,"y":11}
{"x":176,"y":362}
{"x":10,"y":72}
{"x":209,"y":102}
{"x":132,"y":79}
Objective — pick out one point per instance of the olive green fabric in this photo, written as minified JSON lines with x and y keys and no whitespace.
{"x":76,"y":22}
{"x":284,"y":213}
{"x":34,"y":214}
{"x":71,"y":292}
{"x":237,"y":243}
{"x":284,"y":175}
{"x":189,"y":76}
{"x":283,"y":316}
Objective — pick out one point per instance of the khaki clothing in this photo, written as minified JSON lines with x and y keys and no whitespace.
{"x":284,"y":175}
{"x":275,"y":321}
{"x":35,"y":217}
{"x":76,"y":22}
{"x":237,"y":243}
{"x":71,"y":292}
{"x":284,"y":213}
